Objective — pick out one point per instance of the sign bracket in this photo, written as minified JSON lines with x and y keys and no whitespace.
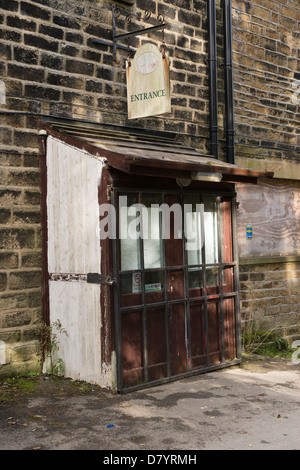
{"x":120,"y":37}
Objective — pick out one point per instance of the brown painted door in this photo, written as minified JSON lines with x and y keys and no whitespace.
{"x":175,"y":297}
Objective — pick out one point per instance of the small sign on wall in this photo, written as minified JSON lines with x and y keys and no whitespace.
{"x":249,"y":231}
{"x":148,"y":84}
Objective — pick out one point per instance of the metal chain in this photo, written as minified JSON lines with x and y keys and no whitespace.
{"x":163,"y":44}
{"x":128,"y":53}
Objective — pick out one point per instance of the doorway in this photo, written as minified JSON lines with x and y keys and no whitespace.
{"x":176,"y":295}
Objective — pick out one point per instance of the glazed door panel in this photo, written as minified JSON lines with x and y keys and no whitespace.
{"x":175,"y":297}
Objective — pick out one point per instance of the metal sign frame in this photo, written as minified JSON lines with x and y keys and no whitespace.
{"x":120,"y":37}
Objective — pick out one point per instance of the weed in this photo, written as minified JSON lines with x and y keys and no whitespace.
{"x":256,"y":340}
{"x":11,"y":386}
{"x":266,"y":343}
{"x":85,"y":387}
{"x":50,"y":345}
{"x":23,"y":384}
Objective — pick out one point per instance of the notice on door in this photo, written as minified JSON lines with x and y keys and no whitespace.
{"x":148,"y":83}
{"x":137,"y":284}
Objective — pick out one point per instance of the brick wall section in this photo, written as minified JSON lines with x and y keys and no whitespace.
{"x":20,"y":275}
{"x":267,"y":77}
{"x":53,"y":62}
{"x":270,"y":296}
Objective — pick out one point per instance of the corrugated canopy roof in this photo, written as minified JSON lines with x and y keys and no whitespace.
{"x":145,"y":152}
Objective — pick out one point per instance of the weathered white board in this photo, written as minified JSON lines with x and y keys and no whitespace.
{"x":77,"y":306}
{"x":273,"y":211}
{"x":73,"y":178}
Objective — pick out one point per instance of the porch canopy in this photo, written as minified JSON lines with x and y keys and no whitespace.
{"x":148,"y":153}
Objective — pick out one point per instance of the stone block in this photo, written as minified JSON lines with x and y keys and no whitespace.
{"x":19,"y":280}
{"x":11,"y":239}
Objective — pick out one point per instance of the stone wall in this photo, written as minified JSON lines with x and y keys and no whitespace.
{"x":20,"y":259}
{"x":270,"y":295}
{"x":54,"y":67}
{"x":267,"y":84}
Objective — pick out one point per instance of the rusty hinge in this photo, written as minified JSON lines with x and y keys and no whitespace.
{"x":95,"y":278}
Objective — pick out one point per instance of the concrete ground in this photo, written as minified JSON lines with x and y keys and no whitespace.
{"x":255,"y":406}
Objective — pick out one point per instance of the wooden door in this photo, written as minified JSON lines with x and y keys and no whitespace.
{"x":175,"y":295}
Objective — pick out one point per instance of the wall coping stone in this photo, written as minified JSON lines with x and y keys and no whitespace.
{"x":268,"y":260}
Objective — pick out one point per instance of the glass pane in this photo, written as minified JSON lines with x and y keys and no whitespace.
{"x":130,"y":289}
{"x":154,"y":281}
{"x":131,"y":283}
{"x":129,"y":222}
{"x":126,"y":283}
{"x":195,"y":278}
{"x":212,"y":277}
{"x":193,"y":237}
{"x":211,"y":231}
{"x":192,"y":230}
{"x":151,"y":224}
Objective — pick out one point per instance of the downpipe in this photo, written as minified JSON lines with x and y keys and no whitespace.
{"x":213,"y":83}
{"x":228,"y":68}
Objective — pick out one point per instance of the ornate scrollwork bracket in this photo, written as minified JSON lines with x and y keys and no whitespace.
{"x":117,"y":13}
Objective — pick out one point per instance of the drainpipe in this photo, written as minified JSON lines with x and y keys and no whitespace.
{"x":213,"y":84}
{"x":229,"y":107}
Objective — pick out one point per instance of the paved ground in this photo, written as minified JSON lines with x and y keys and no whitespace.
{"x":252,"y":407}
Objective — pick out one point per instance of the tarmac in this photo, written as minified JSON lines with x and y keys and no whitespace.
{"x":253,"y":406}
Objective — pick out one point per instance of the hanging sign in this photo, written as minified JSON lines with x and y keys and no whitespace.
{"x":148,"y":84}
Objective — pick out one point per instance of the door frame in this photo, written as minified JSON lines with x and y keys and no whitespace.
{"x":235,"y":295}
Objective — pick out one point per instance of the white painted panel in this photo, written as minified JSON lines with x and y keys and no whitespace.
{"x":77,"y":306}
{"x":73,"y":178}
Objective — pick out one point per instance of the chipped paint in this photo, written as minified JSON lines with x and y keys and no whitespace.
{"x":73,"y":180}
{"x":73,"y":210}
